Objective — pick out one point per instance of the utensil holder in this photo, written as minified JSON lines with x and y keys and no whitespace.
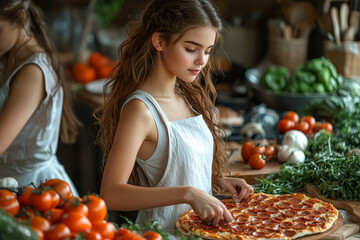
{"x":288,"y":53}
{"x":346,"y":58}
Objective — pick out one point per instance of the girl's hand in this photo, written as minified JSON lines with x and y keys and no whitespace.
{"x":237,"y":187}
{"x":208,"y":208}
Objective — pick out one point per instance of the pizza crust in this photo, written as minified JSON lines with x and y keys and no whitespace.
{"x":264,"y":216}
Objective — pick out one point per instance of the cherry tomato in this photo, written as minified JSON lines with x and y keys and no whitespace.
{"x":292,"y":116}
{"x":93,"y":235}
{"x":58,"y":231}
{"x":310,"y":120}
{"x":41,"y":200}
{"x":6,"y":194}
{"x":246,"y":150}
{"x":54,"y":215}
{"x":76,"y":221}
{"x":60,"y":186}
{"x":258,"y":149}
{"x":26,"y":213}
{"x":39,"y":233}
{"x":270,"y":152}
{"x":302,"y":126}
{"x":41,"y":223}
{"x":55,"y":198}
{"x":327,"y":126}
{"x":10,"y":206}
{"x":126,"y":234}
{"x":285,"y":125}
{"x":75,"y":204}
{"x":257,"y":161}
{"x":317,"y":127}
{"x":106,"y":229}
{"x":97,"y":207}
{"x":24,"y":197}
{"x":152,"y":236}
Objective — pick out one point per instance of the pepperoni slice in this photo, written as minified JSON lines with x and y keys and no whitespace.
{"x":316,"y":213}
{"x":283,"y":205}
{"x":300,"y":219}
{"x":307,"y":207}
{"x":246,"y":200}
{"x":230,"y":205}
{"x":289,"y":213}
{"x":321,"y":209}
{"x":288,"y":233}
{"x":255,"y":221}
{"x":270,"y":223}
{"x":296,"y":206}
{"x":309,"y":202}
{"x":321,"y":224}
{"x":241,"y":220}
{"x":320,"y":219}
{"x":285,"y":197}
{"x":242,"y":205}
{"x":272,"y":209}
{"x":264,"y":215}
{"x":304,"y":213}
{"x":268,"y":230}
{"x":249,"y":230}
{"x":299,"y":225}
{"x":281,"y":217}
{"x":251,"y":212}
{"x":261,"y":208}
{"x":254,"y":203}
{"x":294,"y":200}
{"x":260,"y":197}
{"x":286,"y":225}
{"x":270,"y":202}
{"x":258,"y":234}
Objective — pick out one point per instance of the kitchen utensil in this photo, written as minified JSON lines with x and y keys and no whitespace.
{"x":336,"y":28}
{"x":301,"y":16}
{"x":353,"y":26}
{"x":344,"y":17}
{"x":343,"y":232}
{"x":287,"y":32}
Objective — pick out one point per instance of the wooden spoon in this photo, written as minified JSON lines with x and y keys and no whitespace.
{"x":353,"y":26}
{"x":336,"y":27}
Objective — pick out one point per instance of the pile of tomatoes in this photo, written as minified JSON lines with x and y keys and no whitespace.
{"x":307,"y":124}
{"x":257,"y":155}
{"x":97,"y":67}
{"x":53,"y":213}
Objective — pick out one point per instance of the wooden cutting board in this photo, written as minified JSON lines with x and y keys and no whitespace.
{"x":352,"y":207}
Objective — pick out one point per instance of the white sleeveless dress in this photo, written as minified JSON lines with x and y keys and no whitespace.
{"x":31,"y":157}
{"x":183,"y":157}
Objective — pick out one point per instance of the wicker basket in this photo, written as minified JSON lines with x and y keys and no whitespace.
{"x":346,"y":58}
{"x":287,"y":53}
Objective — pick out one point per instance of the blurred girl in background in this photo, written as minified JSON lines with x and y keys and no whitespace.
{"x":35,"y":104}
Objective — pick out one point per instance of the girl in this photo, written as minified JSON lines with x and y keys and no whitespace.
{"x":33,"y":99}
{"x":162,"y":148}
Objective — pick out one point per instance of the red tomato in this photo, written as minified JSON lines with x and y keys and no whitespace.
{"x":41,"y":223}
{"x":6,"y":194}
{"x":106,"y":229}
{"x":270,"y":152}
{"x":26,"y":213}
{"x":317,"y":127}
{"x":24,"y":197}
{"x":39,"y":233}
{"x":60,"y":186}
{"x":285,"y":125}
{"x":310,"y":120}
{"x":258,"y":149}
{"x":76,"y":221}
{"x":327,"y":126}
{"x":257,"y":161}
{"x":126,"y":234}
{"x":58,"y":231}
{"x":55,"y":198}
{"x":54,"y":215}
{"x":10,"y":206}
{"x":246,"y":150}
{"x":302,"y":126}
{"x":93,"y":235}
{"x":292,"y":116}
{"x":97,"y":207}
{"x":41,"y":200}
{"x":152,"y":236}
{"x":75,"y":204}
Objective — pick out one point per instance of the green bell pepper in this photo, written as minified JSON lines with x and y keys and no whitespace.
{"x":275,"y":78}
{"x":319,"y":88}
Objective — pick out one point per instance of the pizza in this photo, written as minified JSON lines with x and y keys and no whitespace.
{"x":266,"y":216}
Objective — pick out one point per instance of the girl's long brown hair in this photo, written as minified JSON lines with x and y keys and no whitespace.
{"x":10,"y":10}
{"x":137,"y":57}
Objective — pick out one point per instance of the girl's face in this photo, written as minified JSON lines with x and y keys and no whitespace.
{"x":189,"y":55}
{"x":9,"y":33}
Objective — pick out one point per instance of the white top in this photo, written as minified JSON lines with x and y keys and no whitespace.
{"x":31,"y":157}
{"x":183,"y":157}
